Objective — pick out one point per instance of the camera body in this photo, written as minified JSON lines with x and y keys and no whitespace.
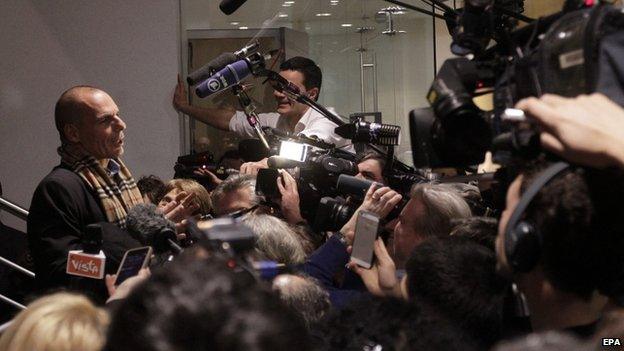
{"x":567,"y":53}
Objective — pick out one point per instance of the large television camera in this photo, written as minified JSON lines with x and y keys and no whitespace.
{"x":568,"y":53}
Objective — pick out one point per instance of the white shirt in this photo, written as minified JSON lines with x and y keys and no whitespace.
{"x":311,"y":123}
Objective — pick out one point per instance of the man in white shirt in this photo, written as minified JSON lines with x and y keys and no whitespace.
{"x":291,"y":116}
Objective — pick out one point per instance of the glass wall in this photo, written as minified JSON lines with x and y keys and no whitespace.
{"x":375,"y":57}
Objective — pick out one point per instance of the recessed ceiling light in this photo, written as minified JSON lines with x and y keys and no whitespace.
{"x":346,"y":25}
{"x":323,"y":14}
{"x":243,"y":27}
{"x":289,"y":2}
{"x":286,"y":5}
{"x":282,"y":15}
{"x":235,"y":23}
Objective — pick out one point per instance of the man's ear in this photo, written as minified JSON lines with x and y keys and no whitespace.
{"x":313,"y":93}
{"x":71,"y":133}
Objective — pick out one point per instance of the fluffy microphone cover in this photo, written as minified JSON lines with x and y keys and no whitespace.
{"x":144,"y":222}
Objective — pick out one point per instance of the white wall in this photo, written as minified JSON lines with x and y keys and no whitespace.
{"x":128,"y":48}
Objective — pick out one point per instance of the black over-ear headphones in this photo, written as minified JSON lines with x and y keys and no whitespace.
{"x":523,"y":241}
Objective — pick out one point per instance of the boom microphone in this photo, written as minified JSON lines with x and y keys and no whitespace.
{"x":150,"y":227}
{"x":215,"y":64}
{"x":229,"y":6}
{"x":231,"y":75}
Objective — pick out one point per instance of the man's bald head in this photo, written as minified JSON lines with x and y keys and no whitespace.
{"x":71,"y":107}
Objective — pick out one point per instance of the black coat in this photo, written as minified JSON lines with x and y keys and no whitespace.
{"x":61,"y":208}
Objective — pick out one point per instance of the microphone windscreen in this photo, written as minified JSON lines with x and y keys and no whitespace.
{"x":229,"y":6}
{"x":213,"y":65}
{"x":145,"y":223}
{"x":225,"y":78}
{"x":348,"y":185}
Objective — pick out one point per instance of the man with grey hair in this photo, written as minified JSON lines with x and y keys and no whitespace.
{"x":304,"y":295}
{"x":275,"y":240}
{"x":429,"y":212}
{"x":236,"y":193}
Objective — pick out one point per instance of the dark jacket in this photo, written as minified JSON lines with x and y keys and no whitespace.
{"x":62,"y":206}
{"x":325,"y":264}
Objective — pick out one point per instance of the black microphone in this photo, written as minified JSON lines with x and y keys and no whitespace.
{"x":229,"y":6}
{"x":150,"y":227}
{"x":221,"y":61}
{"x":277,"y":162}
{"x":336,"y":165}
{"x":92,"y":239}
{"x":227,"y":77}
{"x":215,"y":64}
{"x":367,"y":132}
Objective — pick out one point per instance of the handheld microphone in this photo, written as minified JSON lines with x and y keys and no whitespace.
{"x":229,"y":6}
{"x":277,"y":162}
{"x":91,"y":261}
{"x":231,"y":75}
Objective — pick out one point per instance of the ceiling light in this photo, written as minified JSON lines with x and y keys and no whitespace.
{"x":282,"y":15}
{"x":235,"y":23}
{"x":243,"y":27}
{"x":346,"y":25}
{"x":289,"y":2}
{"x":323,"y":14}
{"x":286,"y":5}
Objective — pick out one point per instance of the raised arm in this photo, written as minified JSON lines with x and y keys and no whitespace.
{"x":216,"y":117}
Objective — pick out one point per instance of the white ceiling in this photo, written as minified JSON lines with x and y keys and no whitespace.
{"x":302,"y":13}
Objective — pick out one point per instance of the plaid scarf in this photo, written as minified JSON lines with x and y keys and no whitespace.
{"x":118,"y":193}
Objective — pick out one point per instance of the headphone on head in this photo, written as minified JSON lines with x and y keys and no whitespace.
{"x":523,"y":241}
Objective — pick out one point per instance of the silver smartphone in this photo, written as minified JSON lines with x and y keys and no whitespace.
{"x":366,"y":230}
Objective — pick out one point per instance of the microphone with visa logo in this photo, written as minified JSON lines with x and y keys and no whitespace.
{"x":90,"y":261}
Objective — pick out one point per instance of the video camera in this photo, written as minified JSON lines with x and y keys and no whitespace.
{"x":568,"y":53}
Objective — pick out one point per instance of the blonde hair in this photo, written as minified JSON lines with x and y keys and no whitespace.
{"x":202,"y":197}
{"x":57,"y":322}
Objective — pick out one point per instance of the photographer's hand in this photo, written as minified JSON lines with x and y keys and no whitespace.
{"x":380,"y":201}
{"x":214,"y":180}
{"x":381,"y":278}
{"x":126,"y":287}
{"x":588,"y":129}
{"x":287,"y":186}
{"x":253,"y":167}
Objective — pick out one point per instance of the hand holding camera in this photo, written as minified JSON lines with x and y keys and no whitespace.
{"x":588,"y":129}
{"x":379,"y":201}
{"x":289,"y":204}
